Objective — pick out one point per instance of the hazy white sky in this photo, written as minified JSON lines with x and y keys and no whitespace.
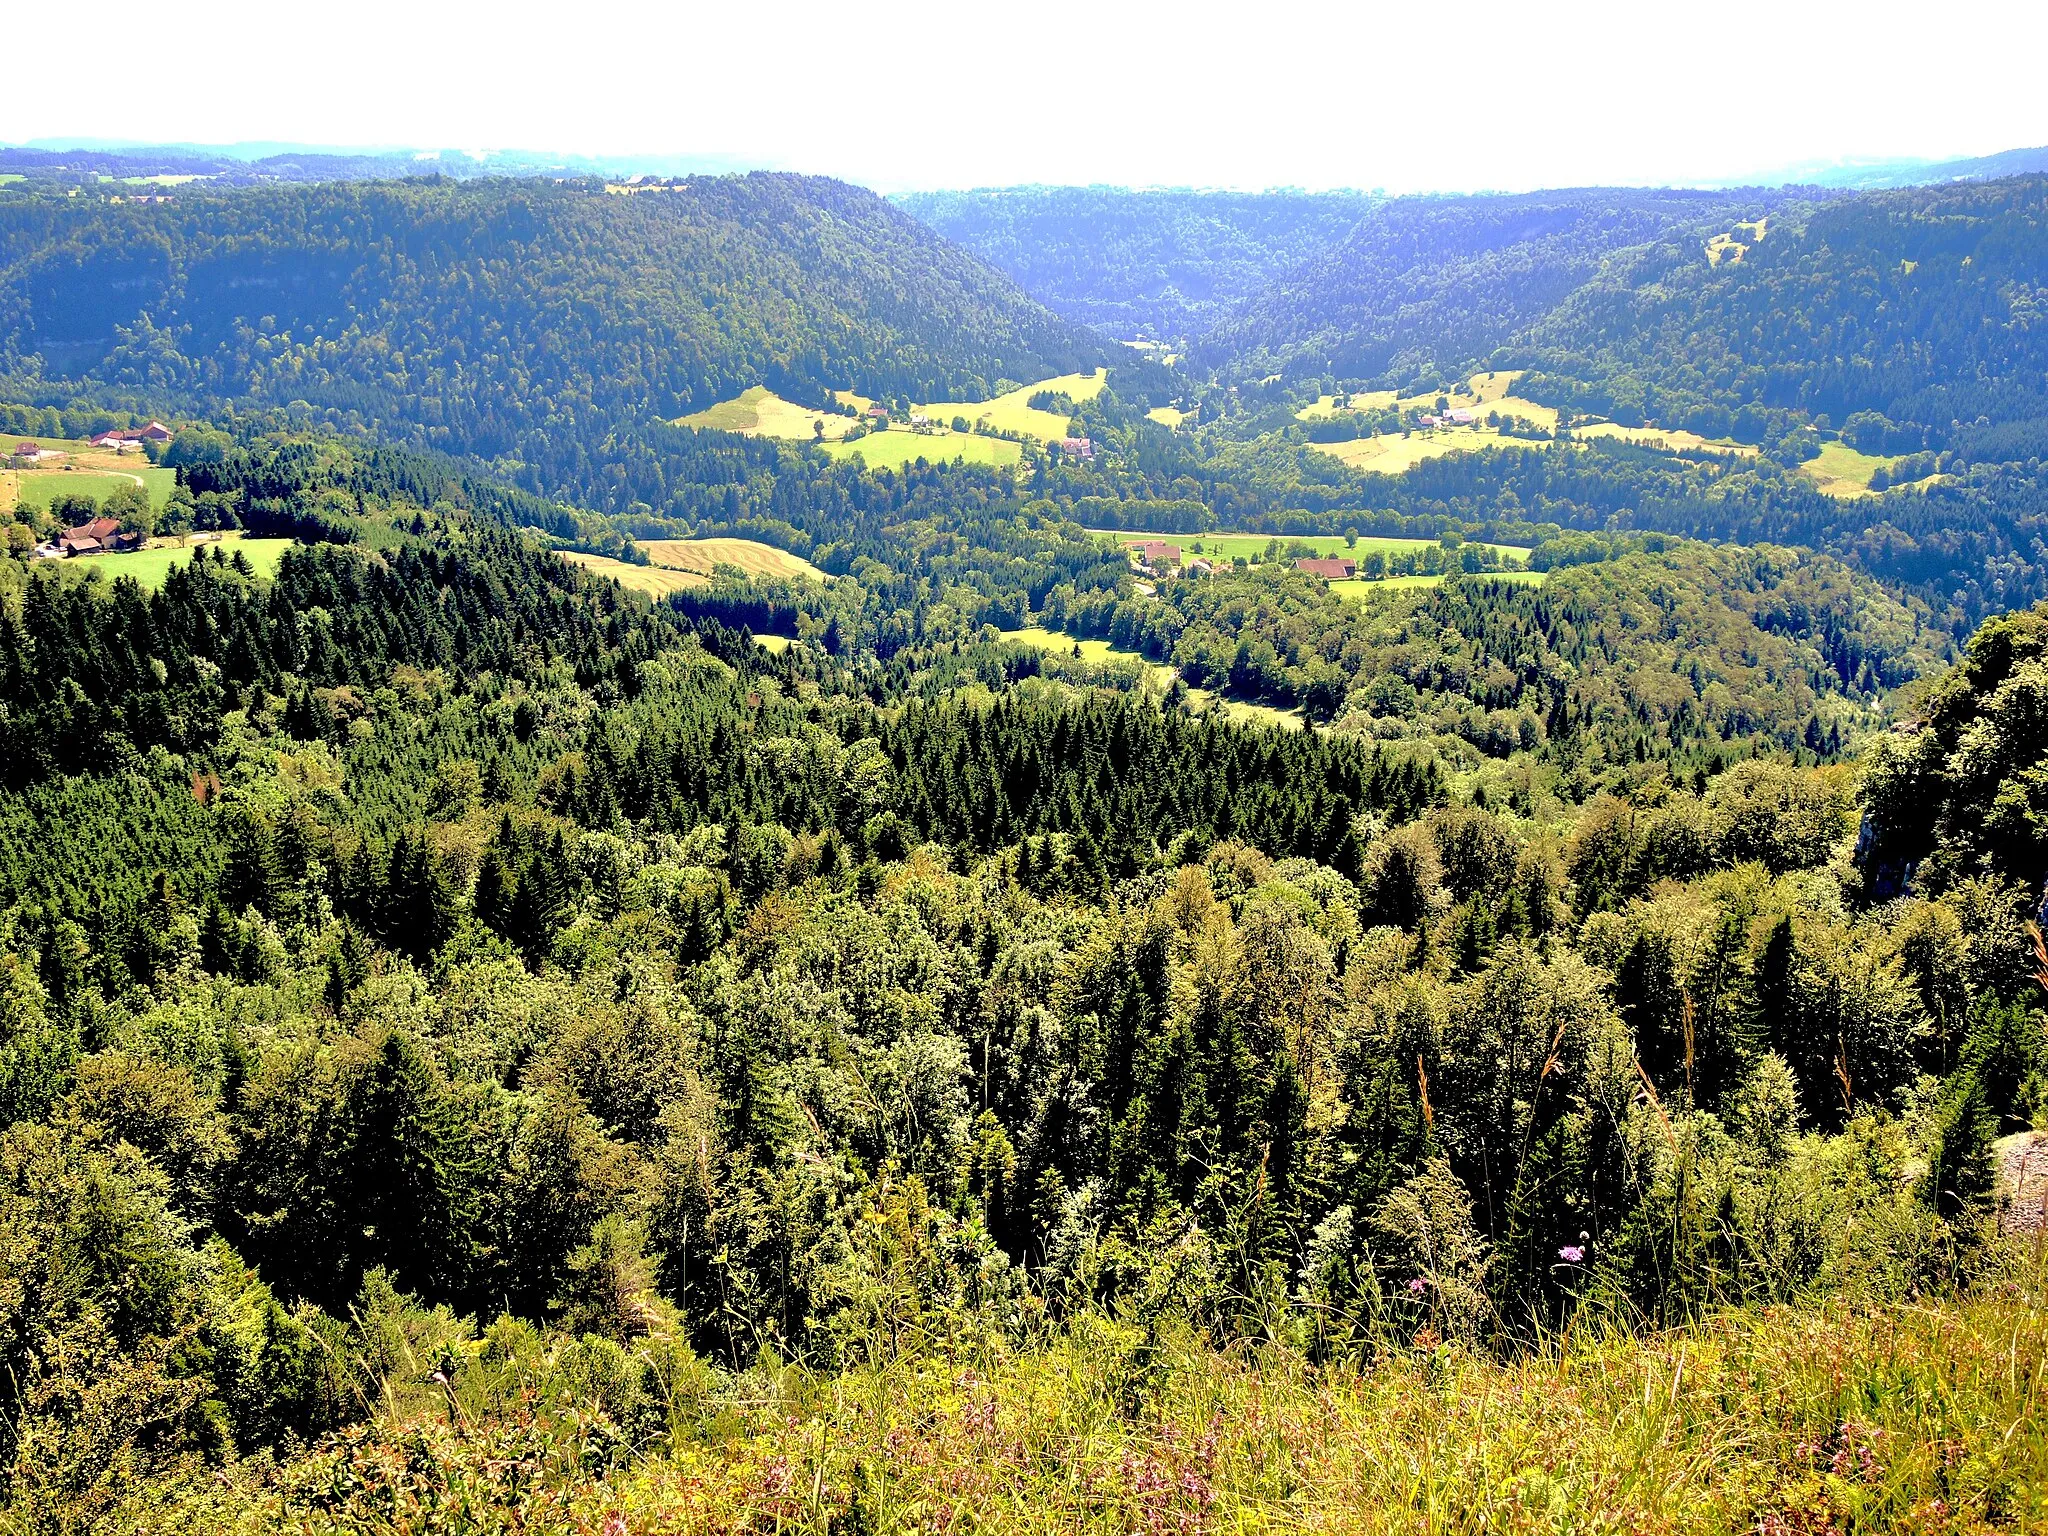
{"x":1289,"y":92}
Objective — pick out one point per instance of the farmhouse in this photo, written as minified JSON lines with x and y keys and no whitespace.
{"x":1078,"y":447}
{"x":1329,"y":567}
{"x":1461,"y":417}
{"x":1155,"y":552}
{"x":97,"y":537}
{"x":27,"y":451}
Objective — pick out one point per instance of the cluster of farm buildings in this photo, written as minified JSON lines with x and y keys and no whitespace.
{"x":98,"y":535}
{"x":1156,"y":557}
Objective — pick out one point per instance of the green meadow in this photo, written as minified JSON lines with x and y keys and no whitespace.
{"x":894,"y":449}
{"x":39,"y":487}
{"x":148,"y":567}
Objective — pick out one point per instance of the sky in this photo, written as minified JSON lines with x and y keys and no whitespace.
{"x":1409,"y":97}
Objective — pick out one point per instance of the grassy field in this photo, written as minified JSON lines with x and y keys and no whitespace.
{"x":1167,"y":416}
{"x":149,"y":567}
{"x":700,"y":557}
{"x":1665,"y":437}
{"x":649,"y":580}
{"x":1229,"y":546}
{"x":1012,"y":412}
{"x":39,"y":487}
{"x":1160,"y":676}
{"x":1842,"y":471}
{"x":1393,"y":455}
{"x":893,"y":450}
{"x":1361,"y":588}
{"x":760,"y":412}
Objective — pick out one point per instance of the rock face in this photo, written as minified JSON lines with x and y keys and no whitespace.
{"x":2023,"y":1181}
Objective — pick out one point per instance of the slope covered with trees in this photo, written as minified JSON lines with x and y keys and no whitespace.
{"x":437,"y":989}
{"x":522,"y":321}
{"x":1426,"y":287}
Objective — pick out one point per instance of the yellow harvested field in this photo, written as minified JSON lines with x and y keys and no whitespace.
{"x":649,"y":580}
{"x":1664,"y":437}
{"x":760,"y":412}
{"x":1012,"y":412}
{"x":700,"y":557}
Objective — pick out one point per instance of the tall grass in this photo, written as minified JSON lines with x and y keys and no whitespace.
{"x":1835,"y":1418}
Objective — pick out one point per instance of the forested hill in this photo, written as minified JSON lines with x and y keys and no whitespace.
{"x":1431,"y":284}
{"x":1927,"y":307}
{"x":518,"y":320}
{"x":1161,"y":263}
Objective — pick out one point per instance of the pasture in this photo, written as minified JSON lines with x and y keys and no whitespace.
{"x":894,"y":449}
{"x":1843,"y":472}
{"x":148,"y":567}
{"x":1668,"y":438}
{"x":1393,"y":455}
{"x":700,"y":557}
{"x":39,"y":487}
{"x":760,"y":412}
{"x":1013,"y":412}
{"x":1167,"y":416}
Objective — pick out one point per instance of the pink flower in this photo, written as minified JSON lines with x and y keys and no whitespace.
{"x":1572,"y":1253}
{"x":1417,"y":1286}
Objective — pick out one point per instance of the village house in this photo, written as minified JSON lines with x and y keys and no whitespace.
{"x":1461,"y":417}
{"x":1078,"y":447}
{"x":1329,"y":567}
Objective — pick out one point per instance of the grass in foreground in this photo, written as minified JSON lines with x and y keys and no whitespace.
{"x":1816,"y":1422}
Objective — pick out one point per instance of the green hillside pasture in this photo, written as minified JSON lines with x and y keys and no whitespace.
{"x":148,"y":567}
{"x":1842,"y":472}
{"x":1012,"y":411}
{"x":894,"y":449}
{"x":760,"y":412}
{"x":39,"y":487}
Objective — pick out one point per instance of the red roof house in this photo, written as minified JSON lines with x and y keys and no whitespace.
{"x":1330,"y":568}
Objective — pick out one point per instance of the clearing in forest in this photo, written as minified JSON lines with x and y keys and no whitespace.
{"x":148,"y":567}
{"x":39,"y":487}
{"x":652,"y":581}
{"x":897,"y":447}
{"x":760,"y":412}
{"x":700,"y":557}
{"x":1671,"y":439}
{"x":1013,"y":411}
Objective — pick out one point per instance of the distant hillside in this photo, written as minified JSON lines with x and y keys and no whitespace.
{"x":1428,"y":285}
{"x":517,"y":320}
{"x":1162,"y":264}
{"x":1913,"y":173}
{"x":1925,"y":308}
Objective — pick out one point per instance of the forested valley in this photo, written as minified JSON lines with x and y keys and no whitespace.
{"x":1012,"y":1027}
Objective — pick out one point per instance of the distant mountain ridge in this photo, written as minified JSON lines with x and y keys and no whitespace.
{"x":1152,"y":263}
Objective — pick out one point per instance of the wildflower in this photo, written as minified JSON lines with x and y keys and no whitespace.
{"x":1417,"y":1286}
{"x":1572,"y":1253}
